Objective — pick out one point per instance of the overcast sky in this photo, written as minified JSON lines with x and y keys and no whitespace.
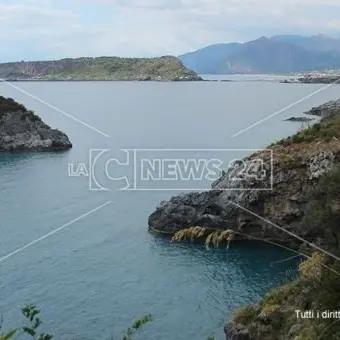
{"x":43,"y":29}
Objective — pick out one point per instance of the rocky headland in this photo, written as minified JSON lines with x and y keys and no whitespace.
{"x":23,"y":130}
{"x":304,"y":201}
{"x":166,"y":68}
{"x":298,"y":163}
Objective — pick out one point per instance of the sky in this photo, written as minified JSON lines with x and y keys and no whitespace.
{"x":53,"y":29}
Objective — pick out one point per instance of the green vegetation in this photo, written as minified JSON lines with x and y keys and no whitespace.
{"x":31,"y":116}
{"x":31,"y":313}
{"x":138,"y":324}
{"x":10,"y":105}
{"x":322,"y":215}
{"x":103,"y":68}
{"x":318,"y":285}
{"x":245,"y":315}
{"x":326,"y":130}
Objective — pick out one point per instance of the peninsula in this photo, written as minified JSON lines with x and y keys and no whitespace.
{"x":165,"y":68}
{"x":300,"y":212}
{"x":23,"y":130}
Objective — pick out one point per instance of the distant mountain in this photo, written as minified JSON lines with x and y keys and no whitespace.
{"x":208,"y":60}
{"x":104,"y":68}
{"x":319,"y":42}
{"x":269,"y":56}
{"x":278,"y":54}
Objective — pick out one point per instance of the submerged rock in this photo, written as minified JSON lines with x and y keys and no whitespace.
{"x":22,"y":130}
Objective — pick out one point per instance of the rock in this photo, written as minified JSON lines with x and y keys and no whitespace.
{"x":320,"y":164}
{"x":294,"y":330}
{"x":326,"y":110}
{"x":298,"y":119}
{"x":284,"y":205}
{"x":236,"y":332}
{"x":22,"y":130}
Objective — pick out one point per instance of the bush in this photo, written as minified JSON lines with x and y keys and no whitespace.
{"x":312,"y":269}
{"x":322,"y":214}
{"x":10,"y":105}
{"x":326,"y":130}
{"x":245,"y":315}
{"x":31,"y":116}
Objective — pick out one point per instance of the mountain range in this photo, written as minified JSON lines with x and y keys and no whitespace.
{"x":277,"y":54}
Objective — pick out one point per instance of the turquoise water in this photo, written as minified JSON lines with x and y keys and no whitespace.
{"x":92,"y":278}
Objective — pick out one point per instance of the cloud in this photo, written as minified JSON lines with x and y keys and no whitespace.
{"x":36,"y":29}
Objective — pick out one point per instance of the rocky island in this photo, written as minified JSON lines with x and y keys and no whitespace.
{"x":23,"y":130}
{"x":166,"y":68}
{"x":304,"y":201}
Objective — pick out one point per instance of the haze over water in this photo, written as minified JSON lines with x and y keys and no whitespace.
{"x":94,"y":277}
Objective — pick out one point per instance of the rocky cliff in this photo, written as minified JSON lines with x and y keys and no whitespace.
{"x":298,"y":163}
{"x":104,"y":68}
{"x":21,"y":129}
{"x":304,"y":201}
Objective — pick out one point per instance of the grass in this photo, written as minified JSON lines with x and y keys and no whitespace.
{"x":245,"y":315}
{"x":214,"y":237}
{"x":326,"y":130}
{"x":318,"y":285}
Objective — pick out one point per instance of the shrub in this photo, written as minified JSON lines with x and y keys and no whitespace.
{"x":31,"y":313}
{"x":31,"y":116}
{"x":10,"y":105}
{"x":322,"y":214}
{"x":245,"y":315}
{"x":311,"y":269}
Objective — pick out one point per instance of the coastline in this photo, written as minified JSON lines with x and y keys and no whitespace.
{"x":302,"y":163}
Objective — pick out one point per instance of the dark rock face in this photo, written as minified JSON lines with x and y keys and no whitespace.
{"x":22,"y":130}
{"x":236,"y":332}
{"x":284,"y":205}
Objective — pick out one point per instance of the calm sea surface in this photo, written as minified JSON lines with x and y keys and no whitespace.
{"x":94,"y":276}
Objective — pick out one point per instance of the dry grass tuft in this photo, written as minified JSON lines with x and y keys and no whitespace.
{"x":209,"y":236}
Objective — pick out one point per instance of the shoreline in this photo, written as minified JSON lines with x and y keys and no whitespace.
{"x":302,"y":163}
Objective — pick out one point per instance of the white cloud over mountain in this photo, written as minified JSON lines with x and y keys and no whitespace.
{"x":36,"y":29}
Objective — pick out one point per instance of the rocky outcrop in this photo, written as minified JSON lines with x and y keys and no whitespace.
{"x":298,"y":163}
{"x":22,"y":130}
{"x":166,"y":68}
{"x":299,"y":119}
{"x":326,"y":110}
{"x":303,"y":200}
{"x":326,"y":79}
